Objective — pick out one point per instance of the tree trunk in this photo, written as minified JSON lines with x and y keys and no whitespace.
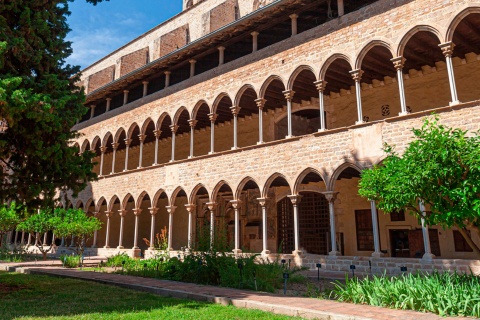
{"x":44,"y":254}
{"x":469,"y":240}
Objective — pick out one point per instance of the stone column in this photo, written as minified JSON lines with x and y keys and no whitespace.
{"x":114,"y":148}
{"x":331,"y":196}
{"x":341,"y":8}
{"x":92,"y":111}
{"x":235,"y":110}
{"x":190,"y":208}
{"x":296,"y":229}
{"x":357,"y":76}
{"x":398,"y":63}
{"x":29,"y":241}
{"x":167,"y":78}
{"x":263,"y":204}
{"x":192,"y":123}
{"x":236,"y":206}
{"x":294,"y":18}
{"x":376,"y":237}
{"x":108,"y":214}
{"x":170,"y":210}
{"x":137,"y":213}
{"x":447,"y":50}
{"x":44,"y":238}
{"x":260,"y":104}
{"x":127,"y":146}
{"x":125,"y":97}
{"x":109,"y":102}
{"x":37,"y":237}
{"x":321,"y":84}
{"x":122,"y":214}
{"x":141,"y":137}
{"x":94,"y":244}
{"x":145,"y":88}
{"x":426,"y":236}
{"x":157,"y":134}
{"x":192,"y":67}
{"x":102,"y":153}
{"x":22,"y":240}
{"x":212,"y":206}
{"x":221,"y":55}
{"x":212,"y":117}
{"x":289,"y":96}
{"x":174,"y":129}
{"x":254,"y":41}
{"x":153,"y":213}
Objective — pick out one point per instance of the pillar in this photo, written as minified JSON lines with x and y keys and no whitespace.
{"x":108,"y":214}
{"x":398,"y":63}
{"x":254,"y":41}
{"x":263,"y":204}
{"x":125,"y":97}
{"x":22,"y":240}
{"x":331,"y":196}
{"x":29,"y":241}
{"x":357,"y":77}
{"x":170,"y":210}
{"x":236,"y":206}
{"x":167,"y":78}
{"x":294,"y":18}
{"x":289,"y":96}
{"x":122,"y":214}
{"x":321,"y":85}
{"x":212,"y":206}
{"x":192,"y":67}
{"x":190,"y":208}
{"x":141,"y":137}
{"x":174,"y":129}
{"x":109,"y":102}
{"x":102,"y":153}
{"x":260,"y":104}
{"x":376,"y":237}
{"x":341,"y":8}
{"x":137,"y":213}
{"x":212,"y":117}
{"x":114,"y":148}
{"x":92,"y":111}
{"x":192,"y":123}
{"x":44,"y":238}
{"x":153,"y":213}
{"x":221,"y":55}
{"x":426,"y":236}
{"x":127,"y":146}
{"x":295,"y":199}
{"x":235,"y":110}
{"x":145,"y":88}
{"x":94,"y":244}
{"x":447,"y":50}
{"x":157,"y":134}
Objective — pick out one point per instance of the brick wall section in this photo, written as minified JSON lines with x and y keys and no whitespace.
{"x":171,"y":41}
{"x":101,"y":78}
{"x":222,"y":15}
{"x":133,"y":61}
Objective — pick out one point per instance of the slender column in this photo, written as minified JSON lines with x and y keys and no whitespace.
{"x":44,"y":238}
{"x":37,"y":237}
{"x":94,"y":244}
{"x":254,"y":41}
{"x":122,"y":214}
{"x":157,"y":134}
{"x":108,"y":214}
{"x":235,"y":110}
{"x":72,"y":243}
{"x":236,"y":206}
{"x":109,"y":102}
{"x":190,"y":208}
{"x":153,"y":213}
{"x":145,"y":88}
{"x":114,"y":147}
{"x":212,"y":117}
{"x":260,"y":104}
{"x":321,"y":84}
{"x":29,"y":241}
{"x":263,"y":204}
{"x":341,"y":8}
{"x":357,"y":76}
{"x":192,"y":123}
{"x":192,"y":67}
{"x":141,"y":137}
{"x":102,"y":154}
{"x":221,"y":55}
{"x":137,"y":213}
{"x":174,"y":129}
{"x":170,"y":210}
{"x":125,"y":97}
{"x":22,"y":240}
{"x":331,"y":196}
{"x":376,"y":236}
{"x":398,"y":63}
{"x":289,"y":96}
{"x":92,"y":111}
{"x":167,"y":78}
{"x":127,"y":146}
{"x":62,"y":243}
{"x":212,"y":206}
{"x":296,"y":201}
{"x":294,"y":18}
{"x":426,"y":236}
{"x":447,"y":50}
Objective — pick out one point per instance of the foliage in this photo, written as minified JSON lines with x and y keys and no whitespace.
{"x":9,"y":219}
{"x":441,"y":167}
{"x":443,"y":293}
{"x":70,"y":261}
{"x":15,"y":255}
{"x":160,"y":241}
{"x":36,"y":225}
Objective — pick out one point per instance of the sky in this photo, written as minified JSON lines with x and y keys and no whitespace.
{"x":99,"y":30}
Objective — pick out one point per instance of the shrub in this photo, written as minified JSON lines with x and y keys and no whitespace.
{"x":70,"y":261}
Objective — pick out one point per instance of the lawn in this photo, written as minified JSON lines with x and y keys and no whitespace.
{"x":41,"y":297}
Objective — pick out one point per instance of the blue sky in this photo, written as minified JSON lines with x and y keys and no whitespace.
{"x":99,"y":30}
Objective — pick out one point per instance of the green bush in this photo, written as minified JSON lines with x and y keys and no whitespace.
{"x":447,"y":294}
{"x":116,"y":260}
{"x":70,"y":261}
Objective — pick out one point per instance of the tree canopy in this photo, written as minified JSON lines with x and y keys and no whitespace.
{"x":440,"y":167}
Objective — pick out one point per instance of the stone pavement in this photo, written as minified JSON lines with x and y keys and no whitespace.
{"x":293,"y":306}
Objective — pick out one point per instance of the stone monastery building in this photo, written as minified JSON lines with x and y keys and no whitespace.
{"x":255,"y":117}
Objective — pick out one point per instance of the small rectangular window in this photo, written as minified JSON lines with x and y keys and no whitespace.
{"x":461,"y":244}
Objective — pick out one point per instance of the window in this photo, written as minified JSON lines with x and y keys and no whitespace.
{"x":364,"y":226}
{"x":397,"y":215}
{"x":461,"y":244}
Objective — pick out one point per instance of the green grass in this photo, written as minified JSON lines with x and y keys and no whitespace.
{"x":41,"y":297}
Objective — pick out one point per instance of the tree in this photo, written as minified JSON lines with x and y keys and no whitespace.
{"x":41,"y":102}
{"x":8,"y":219}
{"x":441,"y":167}
{"x":38,"y":224}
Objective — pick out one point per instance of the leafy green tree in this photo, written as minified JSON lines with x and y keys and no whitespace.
{"x":441,"y":167}
{"x":38,"y":224}
{"x":41,"y":102}
{"x":8,"y":219}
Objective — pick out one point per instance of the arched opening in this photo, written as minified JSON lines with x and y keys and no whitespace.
{"x":250,"y":216}
{"x":165,"y":139}
{"x":182,"y":139}
{"x":114,"y":233}
{"x":148,"y":154}
{"x":275,"y":107}
{"x":119,"y":164}
{"x":160,"y":201}
{"x":223,"y":124}
{"x":224,"y":238}
{"x":247,"y":118}
{"x":108,"y":154}
{"x":129,"y":222}
{"x":101,"y":208}
{"x":201,"y":223}
{"x":96,"y":145}
{"x":144,"y":203}
{"x":201,"y":138}
{"x":277,"y":188}
{"x":134,"y":148}
{"x":180,"y":221}
{"x":90,"y":211}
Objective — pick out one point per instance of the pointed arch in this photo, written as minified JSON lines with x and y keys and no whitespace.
{"x":102,"y":201}
{"x":158,"y":196}
{"x":88,"y":204}
{"x":271,"y":179}
{"x":218,"y":187}
{"x":218,"y":99}
{"x":145,"y":125}
{"x":112,"y":201}
{"x":178,"y":113}
{"x":140,"y":199}
{"x":370,"y":45}
{"x":126,"y":200}
{"x":455,"y":21}
{"x":193,"y":194}
{"x":241,"y":91}
{"x":242,"y":185}
{"x":296,"y":72}
{"x":119,"y":133}
{"x":267,"y":82}
{"x":85,"y":146}
{"x":132,"y":128}
{"x":164,"y":116}
{"x":330,"y":60}
{"x":107,"y":136}
{"x":304,"y":174}
{"x":175,"y":193}
{"x":95,"y":141}
{"x":336,"y":173}
{"x":410,"y":33}
{"x":197,"y":106}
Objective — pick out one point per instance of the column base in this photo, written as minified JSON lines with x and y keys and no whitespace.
{"x":322,"y":130}
{"x":139,"y":167}
{"x":233,"y":148}
{"x":288,"y":137}
{"x":237,"y":251}
{"x":260,"y":142}
{"x":151,"y":248}
{"x":154,"y":164}
{"x":120,"y":247}
{"x":211,"y":152}
{"x":378,"y":254}
{"x":124,"y":170}
{"x":135,"y":248}
{"x":403,"y":113}
{"x":428,"y":256}
{"x":454,"y":103}
{"x":265,"y":252}
{"x":359,"y":122}
{"x":112,"y":172}
{"x":190,"y":157}
{"x":335,"y":253}
{"x":106,"y":247}
{"x":297,"y":253}
{"x":93,"y":246}
{"x":171,"y":160}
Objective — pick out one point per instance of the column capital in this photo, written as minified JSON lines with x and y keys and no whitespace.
{"x":221,"y":48}
{"x":235,"y":110}
{"x":447,"y":48}
{"x":108,"y":214}
{"x":174,"y":128}
{"x":260,"y":102}
{"x":262,"y":201}
{"x":192,"y":122}
{"x":153,"y":211}
{"x":357,"y":74}
{"x":288,"y":94}
{"x":122,"y":212}
{"x":145,"y":82}
{"x":108,"y":99}
{"x":293,"y":16}
{"x":157,"y":133}
{"x":142,"y":137}
{"x":320,"y":85}
{"x":137,"y":212}
{"x":192,"y":61}
{"x":115,"y":145}
{"x":92,"y":106}
{"x":236,"y":203}
{"x":398,"y":62}
{"x":190,"y":207}
{"x":254,"y":34}
{"x":330,"y":195}
{"x":171,"y":209}
{"x":211,"y":206}
{"x":295,"y":198}
{"x":126,"y":91}
{"x":128,"y":141}
{"x":212,"y":117}
{"x":103,"y":149}
{"x":167,"y":73}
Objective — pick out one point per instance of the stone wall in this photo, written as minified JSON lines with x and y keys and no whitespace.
{"x":101,"y":78}
{"x":133,"y":61}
